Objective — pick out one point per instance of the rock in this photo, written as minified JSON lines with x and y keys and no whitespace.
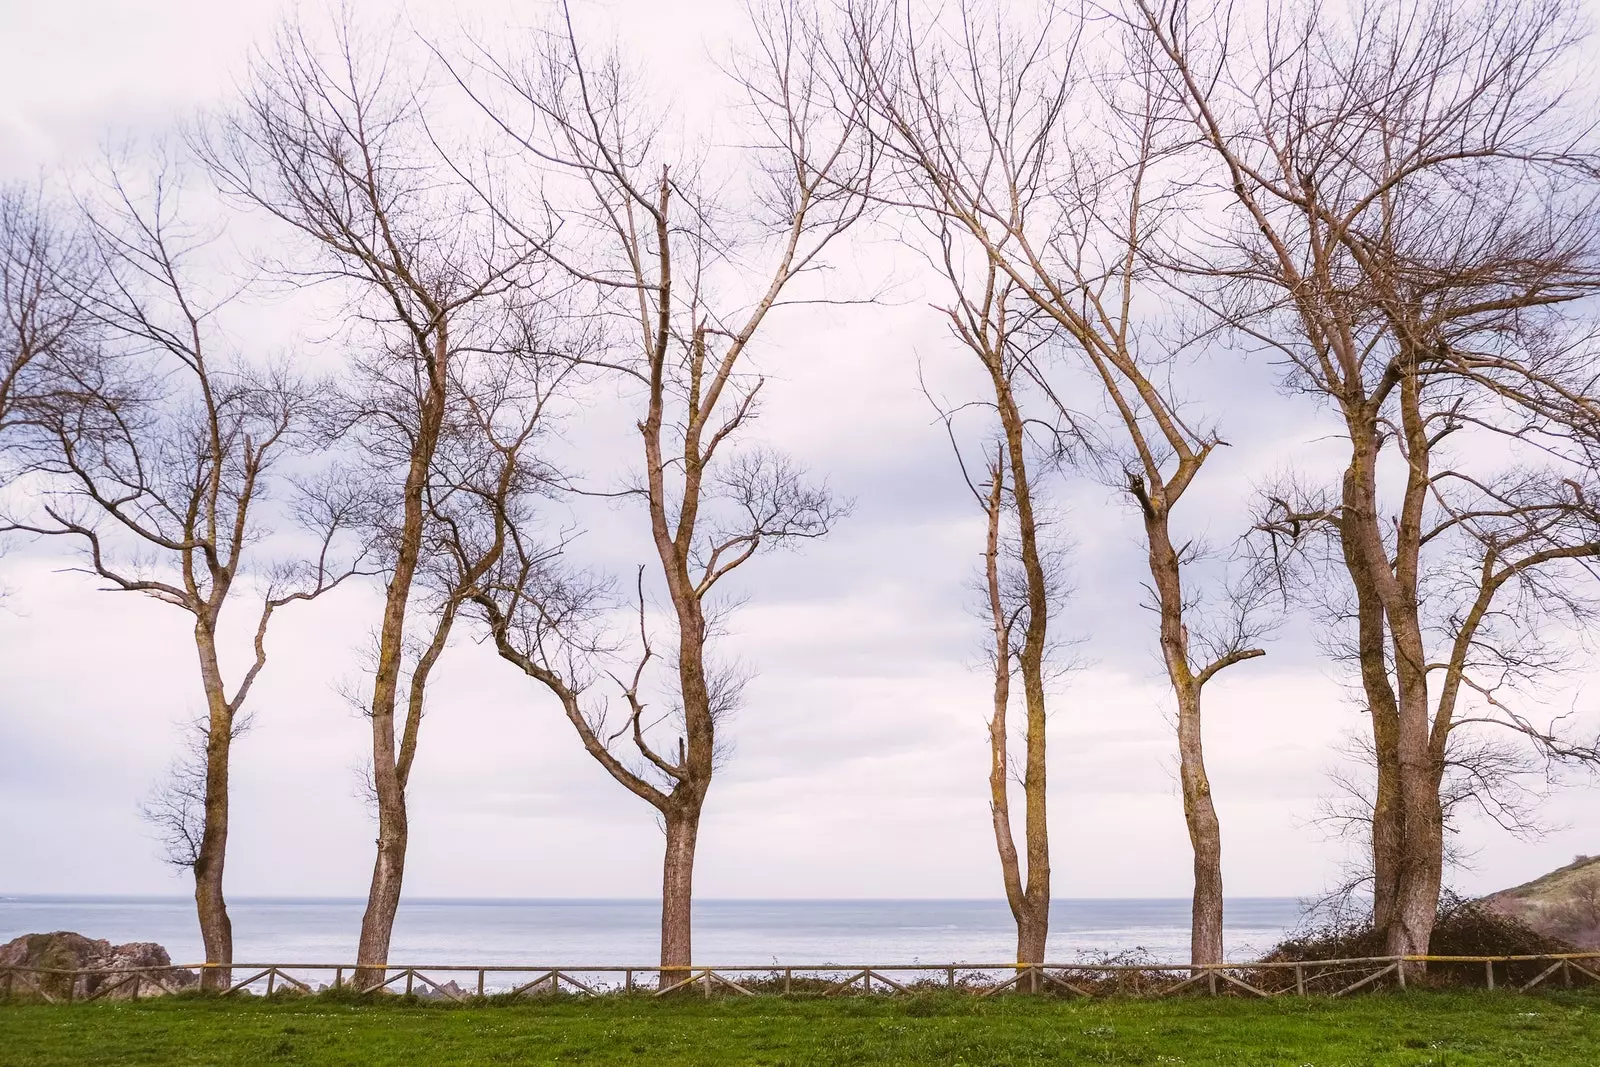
{"x":67,"y":951}
{"x":447,"y":991}
{"x":1564,"y":903}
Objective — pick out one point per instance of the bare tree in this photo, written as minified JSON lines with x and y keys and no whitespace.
{"x":156,"y":454}
{"x":1022,"y":584}
{"x":334,"y":143}
{"x":1415,"y":208}
{"x":683,"y":275}
{"x":41,"y":264}
{"x":999,"y":131}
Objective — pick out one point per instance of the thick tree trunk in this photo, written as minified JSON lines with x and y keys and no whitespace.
{"x":677,"y":894}
{"x":1417,"y":903}
{"x":1033,"y":930}
{"x":211,"y":906}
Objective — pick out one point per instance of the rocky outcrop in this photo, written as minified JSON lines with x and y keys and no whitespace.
{"x":67,"y":951}
{"x":1564,"y":903}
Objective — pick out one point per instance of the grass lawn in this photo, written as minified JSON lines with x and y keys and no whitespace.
{"x":1443,"y":1029}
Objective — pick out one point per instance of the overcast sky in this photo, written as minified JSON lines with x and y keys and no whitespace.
{"x":859,"y":763}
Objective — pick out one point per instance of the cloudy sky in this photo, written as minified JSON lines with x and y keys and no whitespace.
{"x":859,"y":762}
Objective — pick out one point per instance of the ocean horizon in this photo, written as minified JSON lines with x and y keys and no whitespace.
{"x":498,"y":931}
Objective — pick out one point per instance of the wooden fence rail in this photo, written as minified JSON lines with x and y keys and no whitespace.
{"x":458,"y":982}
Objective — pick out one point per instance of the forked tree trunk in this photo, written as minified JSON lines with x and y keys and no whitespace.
{"x":677,"y":894}
{"x":211,"y":906}
{"x":1030,"y":903}
{"x":1029,"y":900}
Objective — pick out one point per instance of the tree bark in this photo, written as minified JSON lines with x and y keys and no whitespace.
{"x":677,"y":893}
{"x":391,"y":766}
{"x":383,"y":897}
{"x":211,"y":906}
{"x":1199,"y":812}
{"x":1417,"y":904}
{"x":1205,"y":834}
{"x":1361,"y":543}
{"x":1030,"y":902}
{"x":1407,"y":819}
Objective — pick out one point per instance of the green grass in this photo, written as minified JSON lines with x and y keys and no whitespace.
{"x":1440,"y":1029}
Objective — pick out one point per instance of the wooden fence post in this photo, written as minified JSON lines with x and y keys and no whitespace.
{"x":1299,"y":980}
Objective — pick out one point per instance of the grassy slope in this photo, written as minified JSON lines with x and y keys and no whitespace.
{"x":1558,"y":884}
{"x":1458,"y":1030}
{"x":1564,"y":903}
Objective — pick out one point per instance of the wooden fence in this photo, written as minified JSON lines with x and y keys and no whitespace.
{"x":1334,"y":978}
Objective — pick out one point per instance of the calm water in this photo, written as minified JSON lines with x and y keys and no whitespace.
{"x":625,"y":931}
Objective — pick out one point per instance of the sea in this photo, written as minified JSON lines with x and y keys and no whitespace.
{"x":745,"y":933}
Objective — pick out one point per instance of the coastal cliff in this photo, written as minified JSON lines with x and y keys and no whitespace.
{"x":1564,"y":903}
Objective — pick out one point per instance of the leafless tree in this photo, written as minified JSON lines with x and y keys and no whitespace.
{"x":333,"y":142}
{"x":1414,"y":196}
{"x":156,"y":453}
{"x":1022,"y":582}
{"x":41,"y":264}
{"x":1003,"y":132}
{"x":683,"y":273}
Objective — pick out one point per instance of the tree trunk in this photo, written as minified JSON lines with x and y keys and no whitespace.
{"x":1205,"y":835}
{"x":1417,"y":899}
{"x":211,"y":907}
{"x":1033,"y":930}
{"x":216,"y":929}
{"x":1199,"y":812}
{"x":391,"y":769}
{"x":1033,"y":926}
{"x":1030,"y":904}
{"x":677,"y":894}
{"x":383,"y":897}
{"x":1361,"y":542}
{"x":1417,"y":903}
